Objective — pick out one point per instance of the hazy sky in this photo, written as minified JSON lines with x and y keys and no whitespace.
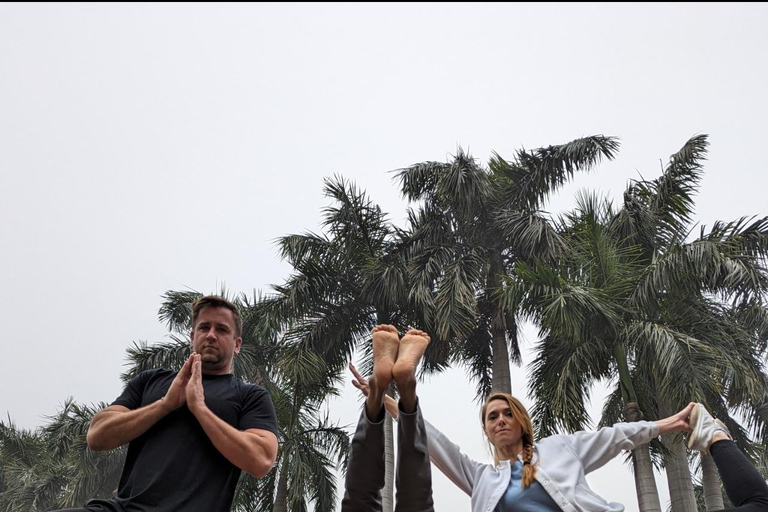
{"x":146,"y":147}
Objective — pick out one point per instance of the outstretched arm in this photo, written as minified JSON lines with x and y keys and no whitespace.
{"x":597,"y":448}
{"x":253,"y":450}
{"x":117,"y":425}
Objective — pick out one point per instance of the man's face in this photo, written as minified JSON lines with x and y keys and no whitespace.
{"x":213,"y":337}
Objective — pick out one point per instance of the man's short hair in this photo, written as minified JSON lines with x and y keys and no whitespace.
{"x":214,"y":301}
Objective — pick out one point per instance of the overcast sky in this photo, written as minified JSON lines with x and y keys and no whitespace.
{"x":146,"y":148}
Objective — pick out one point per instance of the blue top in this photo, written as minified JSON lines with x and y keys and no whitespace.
{"x":533,"y":499}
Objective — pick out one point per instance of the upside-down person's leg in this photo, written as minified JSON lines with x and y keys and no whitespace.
{"x":413,"y":474}
{"x":743,"y":483}
{"x":365,"y":471}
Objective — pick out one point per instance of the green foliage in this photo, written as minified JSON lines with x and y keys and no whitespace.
{"x":619,"y":293}
{"x":470,"y":228}
{"x":345,"y":281}
{"x":632,"y":301}
{"x":51,"y":467}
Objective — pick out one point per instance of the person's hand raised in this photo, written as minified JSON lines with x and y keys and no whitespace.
{"x":194,"y":389}
{"x":176,"y":395}
{"x":361,"y":383}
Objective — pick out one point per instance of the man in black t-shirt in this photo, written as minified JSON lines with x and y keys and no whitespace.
{"x":191,"y":432}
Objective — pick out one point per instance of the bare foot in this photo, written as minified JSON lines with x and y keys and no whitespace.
{"x":412,"y":347}
{"x":386,"y":342}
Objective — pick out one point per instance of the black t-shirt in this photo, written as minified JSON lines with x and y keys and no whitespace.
{"x":173,"y":466}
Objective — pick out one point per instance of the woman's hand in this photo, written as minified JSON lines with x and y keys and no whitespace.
{"x":677,"y":422}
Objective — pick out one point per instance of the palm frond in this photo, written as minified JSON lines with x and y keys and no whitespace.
{"x":298,"y":248}
{"x":475,"y":353}
{"x":672,"y":194}
{"x":420,"y":180}
{"x":533,"y":175}
{"x":529,"y":234}
{"x":176,"y":310}
{"x":169,"y":355}
{"x":455,"y":304}
{"x":463,"y":187}
{"x":561,"y":377}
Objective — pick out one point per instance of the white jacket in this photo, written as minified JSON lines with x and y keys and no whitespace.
{"x":563,"y":461}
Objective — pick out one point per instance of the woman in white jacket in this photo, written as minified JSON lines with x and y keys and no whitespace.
{"x":549,"y":475}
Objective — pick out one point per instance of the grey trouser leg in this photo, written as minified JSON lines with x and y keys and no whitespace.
{"x":414,"y":474}
{"x":365,"y":473}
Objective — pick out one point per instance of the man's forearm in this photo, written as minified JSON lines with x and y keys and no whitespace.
{"x":250,"y":451}
{"x":117,"y":425}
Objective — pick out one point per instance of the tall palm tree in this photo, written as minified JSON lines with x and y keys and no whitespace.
{"x":471,"y":226}
{"x":309,"y":442}
{"x":631,"y":297}
{"x":345,"y":280}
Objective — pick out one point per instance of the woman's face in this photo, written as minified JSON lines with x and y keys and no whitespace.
{"x":502,"y":429}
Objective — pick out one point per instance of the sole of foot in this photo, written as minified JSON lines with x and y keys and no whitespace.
{"x":386,"y":344}
{"x":412,"y":347}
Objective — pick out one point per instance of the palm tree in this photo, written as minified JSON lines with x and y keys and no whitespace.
{"x":308,"y":441}
{"x":674,"y":320}
{"x":32,"y":477}
{"x":51,"y":467}
{"x":345,"y":281}
{"x":471,"y":227}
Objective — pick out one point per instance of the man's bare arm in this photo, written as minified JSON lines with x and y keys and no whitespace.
{"x":253,"y":450}
{"x":117,"y":425}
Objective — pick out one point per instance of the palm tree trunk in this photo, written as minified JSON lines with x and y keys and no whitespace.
{"x":710,"y":480}
{"x":501,"y":374}
{"x":281,"y":496}
{"x":645,"y":483}
{"x":681,"y":493}
{"x":388,"y":492}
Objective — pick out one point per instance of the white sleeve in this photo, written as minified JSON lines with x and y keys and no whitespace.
{"x":447,"y":457}
{"x":595,"y":449}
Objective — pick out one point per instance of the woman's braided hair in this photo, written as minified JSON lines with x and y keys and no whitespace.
{"x":521,"y":415}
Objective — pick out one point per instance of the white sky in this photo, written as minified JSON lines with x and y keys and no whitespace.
{"x":149,"y":147}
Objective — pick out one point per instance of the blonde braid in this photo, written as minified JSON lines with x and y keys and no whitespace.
{"x":528,"y":469}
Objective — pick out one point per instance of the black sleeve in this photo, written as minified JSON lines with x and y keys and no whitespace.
{"x":258,"y":411}
{"x":133,"y":392}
